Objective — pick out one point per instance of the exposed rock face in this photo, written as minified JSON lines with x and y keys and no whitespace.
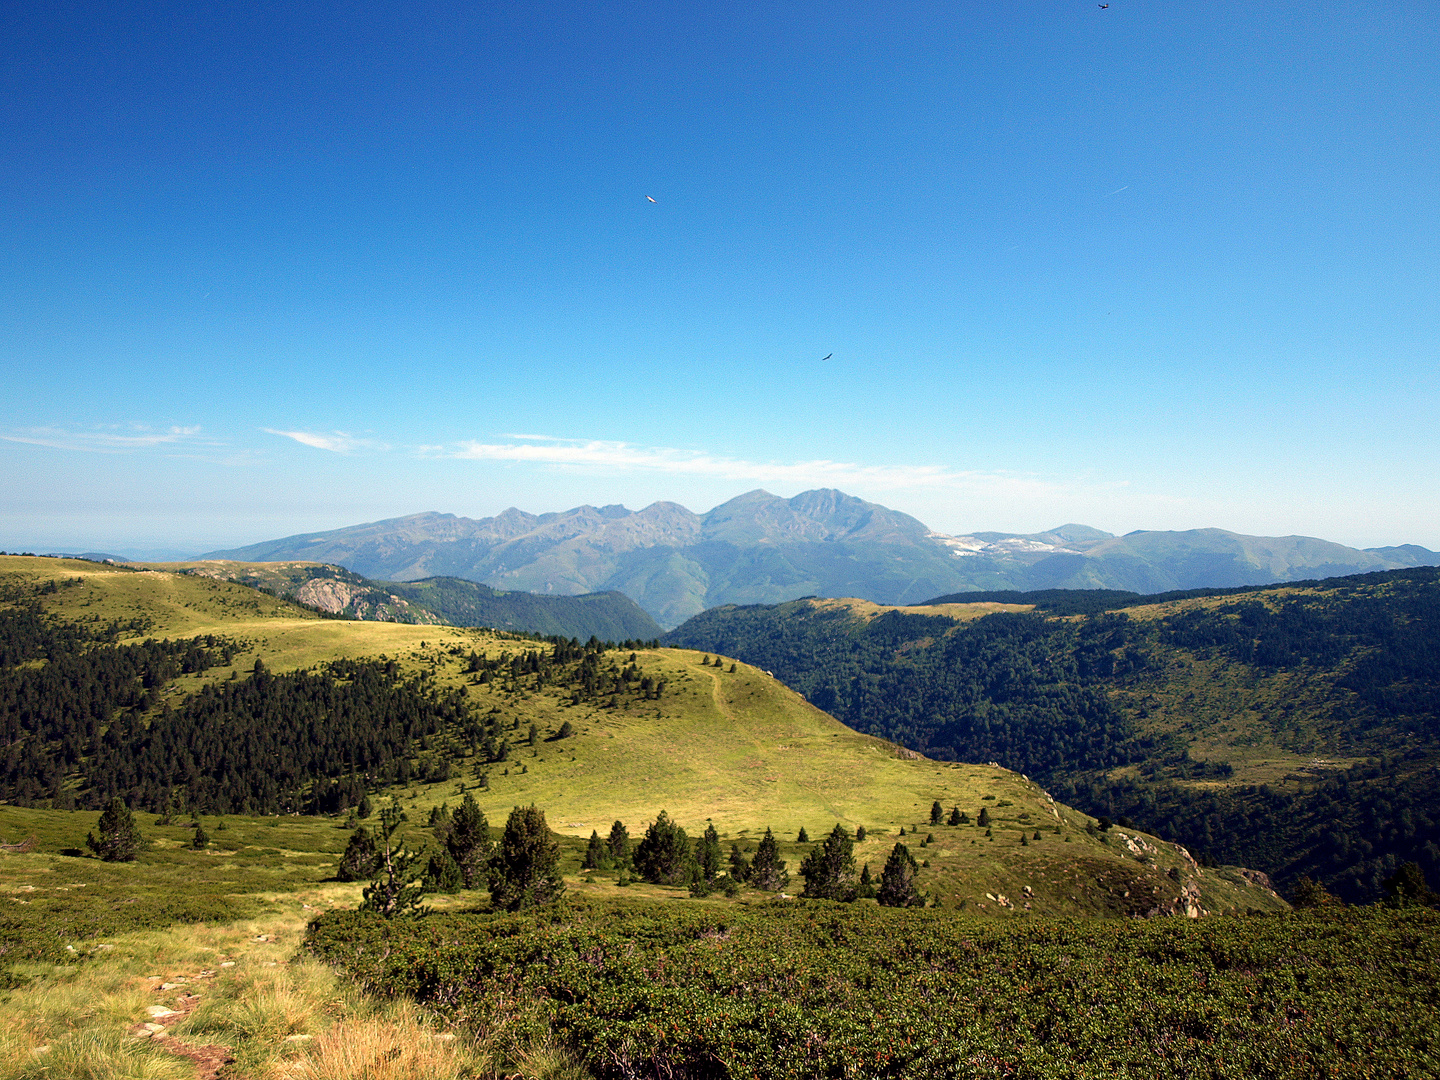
{"x":327,"y":594}
{"x":1259,"y":879}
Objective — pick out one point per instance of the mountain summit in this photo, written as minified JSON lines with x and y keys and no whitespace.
{"x":759,"y":548}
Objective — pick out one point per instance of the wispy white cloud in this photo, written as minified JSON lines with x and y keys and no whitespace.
{"x":628,"y":457}
{"x":109,"y":439}
{"x":335,"y":441}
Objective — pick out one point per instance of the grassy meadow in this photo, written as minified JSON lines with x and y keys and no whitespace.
{"x":89,"y":949}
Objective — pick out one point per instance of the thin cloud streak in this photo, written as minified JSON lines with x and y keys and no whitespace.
{"x":598,"y":454}
{"x":337,"y":442}
{"x":105,"y":440}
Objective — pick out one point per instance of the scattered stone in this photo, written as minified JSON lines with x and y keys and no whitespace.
{"x":152,"y":1027}
{"x":228,"y":963}
{"x":263,"y":937}
{"x":172,"y":985}
{"x":298,"y":1038}
{"x":157,"y":1011}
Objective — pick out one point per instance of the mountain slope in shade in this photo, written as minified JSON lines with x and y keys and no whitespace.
{"x":759,"y":548}
{"x":448,"y":601}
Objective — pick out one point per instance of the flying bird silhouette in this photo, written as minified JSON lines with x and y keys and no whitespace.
{"x":1104,"y":6}
{"x":824,"y":358}
{"x":648,"y":197}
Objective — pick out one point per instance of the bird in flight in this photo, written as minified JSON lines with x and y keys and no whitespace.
{"x":648,"y":197}
{"x":1104,"y":6}
{"x":824,"y":358}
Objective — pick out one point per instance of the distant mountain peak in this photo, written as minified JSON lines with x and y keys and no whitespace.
{"x":763,"y":548}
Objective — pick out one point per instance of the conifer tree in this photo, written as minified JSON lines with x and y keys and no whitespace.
{"x":201,"y":840}
{"x":802,"y":837}
{"x":767,"y":869}
{"x":739,"y":864}
{"x":937,"y":812}
{"x":442,"y":873}
{"x":860,"y":834}
{"x":119,"y":836}
{"x":829,"y":869}
{"x":707,"y":853}
{"x":469,"y":843}
{"x":619,"y":844}
{"x":597,"y":855}
{"x":865,"y":889}
{"x":360,"y":859}
{"x":397,"y":887}
{"x":984,"y":817}
{"x":955,"y":816}
{"x":663,"y":855}
{"x":897,"y":880}
{"x":525,"y":871}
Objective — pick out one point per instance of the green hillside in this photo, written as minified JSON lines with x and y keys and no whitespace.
{"x":1295,"y":729}
{"x":337,"y":709}
{"x":333,"y":590}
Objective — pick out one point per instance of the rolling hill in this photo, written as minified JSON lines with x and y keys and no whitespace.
{"x":1293,"y":729}
{"x":759,"y":548}
{"x":610,"y":616}
{"x":243,"y":703}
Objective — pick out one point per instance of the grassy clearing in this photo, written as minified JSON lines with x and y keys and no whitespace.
{"x":236,"y":996}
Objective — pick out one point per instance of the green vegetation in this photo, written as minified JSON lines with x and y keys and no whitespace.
{"x":814,"y":989}
{"x":337,"y":592}
{"x":1293,"y":729}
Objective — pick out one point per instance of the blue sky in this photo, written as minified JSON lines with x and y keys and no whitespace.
{"x":274,"y":268}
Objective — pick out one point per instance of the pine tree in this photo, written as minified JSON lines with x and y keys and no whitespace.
{"x":707,"y":853}
{"x":397,"y":888}
{"x":525,"y":871}
{"x":201,"y":840}
{"x":597,"y":855}
{"x":469,"y":843}
{"x":897,"y":880}
{"x":937,"y":812}
{"x":442,"y":873}
{"x":365,"y":809}
{"x":865,"y":889}
{"x":984,"y":817}
{"x":860,"y":834}
{"x":767,"y":869}
{"x":663,"y":855}
{"x":119,"y":837}
{"x":955,"y":816}
{"x":619,"y":844}
{"x":829,"y":869}
{"x":739,"y":864}
{"x":360,"y":859}
{"x":802,"y":837}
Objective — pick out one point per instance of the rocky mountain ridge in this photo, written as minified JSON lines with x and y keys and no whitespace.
{"x":761,"y":548}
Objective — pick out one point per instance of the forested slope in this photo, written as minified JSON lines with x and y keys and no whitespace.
{"x":1296,"y":729}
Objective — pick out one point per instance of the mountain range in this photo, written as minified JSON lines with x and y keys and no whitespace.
{"x":759,"y":548}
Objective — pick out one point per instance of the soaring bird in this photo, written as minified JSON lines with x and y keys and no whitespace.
{"x":824,"y":358}
{"x":648,"y":197}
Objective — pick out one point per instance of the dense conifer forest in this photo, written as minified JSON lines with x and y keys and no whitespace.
{"x":84,"y":719}
{"x":1073,"y":695}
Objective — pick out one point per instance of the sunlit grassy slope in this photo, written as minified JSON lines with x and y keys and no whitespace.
{"x":733,"y":747}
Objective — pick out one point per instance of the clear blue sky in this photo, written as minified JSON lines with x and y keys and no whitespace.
{"x":269,"y":268}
